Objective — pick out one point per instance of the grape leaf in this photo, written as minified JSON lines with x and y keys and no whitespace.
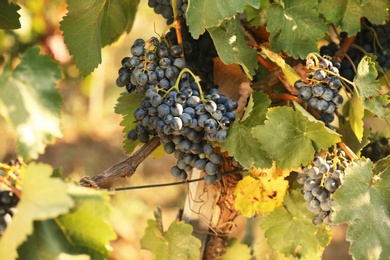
{"x":363,"y":201}
{"x":31,"y":102}
{"x":240,"y":142}
{"x":75,"y":232}
{"x":176,"y":243}
{"x":129,"y":9}
{"x":350,"y":139}
{"x":37,"y":203}
{"x":259,"y":195}
{"x":235,"y":250}
{"x":231,"y":45}
{"x":9,"y":16}
{"x":347,"y":14}
{"x":379,"y":105}
{"x":356,"y":114}
{"x":204,"y":14}
{"x":365,"y":78}
{"x":295,"y":27}
{"x":291,"y":139}
{"x":125,"y":106}
{"x":88,"y":26}
{"x":289,"y":230}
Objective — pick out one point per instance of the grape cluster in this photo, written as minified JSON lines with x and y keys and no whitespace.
{"x":175,"y":109}
{"x":321,"y":93}
{"x":320,"y":180}
{"x":8,"y":201}
{"x":377,"y":149}
{"x":164,"y":7}
{"x":373,"y":39}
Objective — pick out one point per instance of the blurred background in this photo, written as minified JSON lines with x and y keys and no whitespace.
{"x":92,"y":137}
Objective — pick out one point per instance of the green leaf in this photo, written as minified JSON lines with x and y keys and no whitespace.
{"x":295,"y":27}
{"x":347,"y":14}
{"x":290,"y":231}
{"x":379,"y":105}
{"x":350,"y":139}
{"x":363,"y":201}
{"x":76,"y":232}
{"x":129,"y":9}
{"x":291,"y":139}
{"x":37,"y":203}
{"x":231,"y":45}
{"x":235,"y":250}
{"x":365,"y":78}
{"x":88,"y":26}
{"x":204,"y":14}
{"x":9,"y":16}
{"x":356,"y":114}
{"x":125,"y":106}
{"x":176,"y":243}
{"x":241,"y":144}
{"x":31,"y":102}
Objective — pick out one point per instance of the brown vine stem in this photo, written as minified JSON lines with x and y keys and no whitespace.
{"x":268,"y":65}
{"x":348,"y":151}
{"x":125,"y":168}
{"x":287,"y":97}
{"x":344,"y":48}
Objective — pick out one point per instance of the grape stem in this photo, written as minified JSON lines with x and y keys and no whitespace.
{"x":125,"y":168}
{"x":348,"y":151}
{"x":176,"y":86}
{"x":344,"y":48}
{"x":268,"y":65}
{"x":166,"y":184}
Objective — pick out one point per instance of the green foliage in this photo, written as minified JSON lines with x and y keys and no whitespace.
{"x":30,"y":88}
{"x":297,"y":137}
{"x":363,"y":201}
{"x":365,"y":79}
{"x":125,"y":106}
{"x":203,"y":14}
{"x":347,"y":14}
{"x":176,"y":243}
{"x":295,"y":27}
{"x":356,"y":114}
{"x":289,"y":230}
{"x":240,"y":143}
{"x":236,"y":51}
{"x":91,"y":25}
{"x":37,"y":203}
{"x":236,"y":250}
{"x":9,"y":17}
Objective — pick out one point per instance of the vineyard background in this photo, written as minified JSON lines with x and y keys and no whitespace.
{"x":92,"y":137}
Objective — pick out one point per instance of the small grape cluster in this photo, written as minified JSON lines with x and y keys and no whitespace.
{"x":378,"y":148}
{"x":175,"y":109}
{"x":320,"y":180}
{"x":321,"y":93}
{"x":8,"y":199}
{"x":164,"y":7}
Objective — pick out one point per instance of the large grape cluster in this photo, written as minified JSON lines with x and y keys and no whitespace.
{"x":175,"y":109}
{"x":164,"y":7}
{"x":321,"y":91}
{"x":320,"y":180}
{"x":373,"y":39}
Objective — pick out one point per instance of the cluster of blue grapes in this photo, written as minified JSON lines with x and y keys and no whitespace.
{"x":164,"y":7}
{"x":373,"y":39}
{"x":378,"y":148}
{"x":174,"y":108}
{"x":321,"y":93}
{"x":320,"y":180}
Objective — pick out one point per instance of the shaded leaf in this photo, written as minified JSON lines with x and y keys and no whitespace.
{"x":241,"y":144}
{"x":295,"y":27}
{"x":125,"y":106}
{"x":203,"y":14}
{"x":129,"y":9}
{"x":378,"y":105}
{"x":347,"y":14}
{"x":87,"y":27}
{"x":31,"y":102}
{"x":9,"y":16}
{"x":37,"y":203}
{"x":363,"y":201}
{"x":231,"y":45}
{"x":290,"y":231}
{"x":291,"y":139}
